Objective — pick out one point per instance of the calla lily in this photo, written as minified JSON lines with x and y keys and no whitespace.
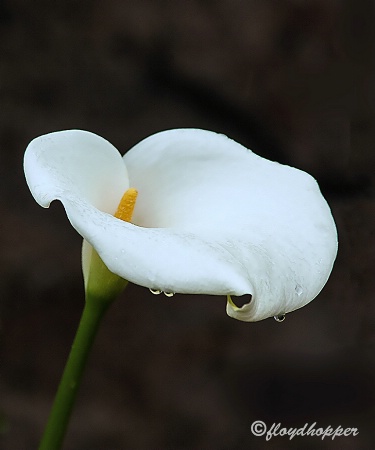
{"x":211,"y":217}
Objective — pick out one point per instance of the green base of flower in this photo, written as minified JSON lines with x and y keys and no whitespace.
{"x":102,"y":284}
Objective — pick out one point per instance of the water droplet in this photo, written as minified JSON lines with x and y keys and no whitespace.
{"x":299,"y":289}
{"x":279,"y":318}
{"x":169,"y":294}
{"x":155,"y":291}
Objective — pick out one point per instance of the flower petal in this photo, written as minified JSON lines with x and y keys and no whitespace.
{"x":161,"y":258}
{"x":270,"y":217}
{"x":74,"y":160}
{"x":211,"y":217}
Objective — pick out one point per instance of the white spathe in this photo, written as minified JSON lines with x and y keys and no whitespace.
{"x":211,"y":216}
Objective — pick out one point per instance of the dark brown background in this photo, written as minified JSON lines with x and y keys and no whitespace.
{"x":294,"y":81}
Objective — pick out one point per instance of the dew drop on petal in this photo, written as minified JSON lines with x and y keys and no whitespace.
{"x":279,"y":318}
{"x":298,"y":289}
{"x":155,"y":291}
{"x":169,"y":294}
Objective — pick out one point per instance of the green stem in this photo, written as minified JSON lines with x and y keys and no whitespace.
{"x":92,"y":315}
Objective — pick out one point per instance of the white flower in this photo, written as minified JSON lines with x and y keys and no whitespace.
{"x":211,"y":217}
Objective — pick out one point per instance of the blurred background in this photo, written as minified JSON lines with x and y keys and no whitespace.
{"x":294,"y":81}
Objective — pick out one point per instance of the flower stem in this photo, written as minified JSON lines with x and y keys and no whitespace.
{"x":92,"y":315}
